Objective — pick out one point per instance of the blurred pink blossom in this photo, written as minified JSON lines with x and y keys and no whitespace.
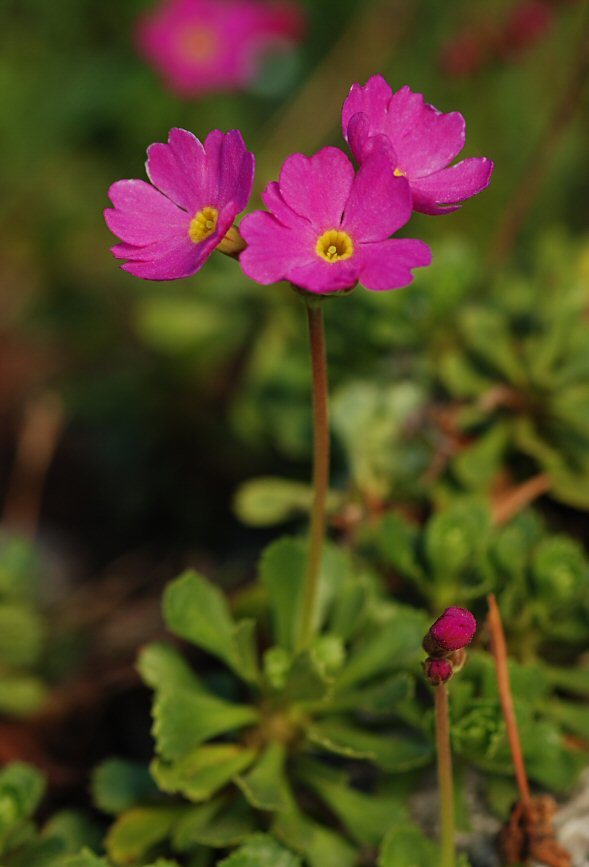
{"x":201,"y":46}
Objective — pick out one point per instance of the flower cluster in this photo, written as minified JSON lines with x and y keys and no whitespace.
{"x":328,"y":226}
{"x":445,"y":644}
{"x":202,"y":46}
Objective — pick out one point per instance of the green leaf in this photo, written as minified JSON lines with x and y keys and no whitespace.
{"x":37,"y":853}
{"x":282,"y":572}
{"x":261,"y":851}
{"x":21,"y":790}
{"x":136,"y":832}
{"x":185,"y":720}
{"x":118,"y":785}
{"x":19,"y":568}
{"x":264,"y":785}
{"x":392,"y":752}
{"x":477,"y":465}
{"x":350,"y":606}
{"x":456,"y":538}
{"x":193,"y":822}
{"x":200,"y":774}
{"x":320,"y":846}
{"x":21,"y":635}
{"x":367,"y":817}
{"x":488,"y":336}
{"x":387,"y":647}
{"x":227,"y":825}
{"x":560,"y":571}
{"x":162,"y":667}
{"x":86,"y":858}
{"x":21,"y":694}
{"x":379,"y":698}
{"x":197,"y":611}
{"x":398,"y":541}
{"x":306,"y":679}
{"x":573,"y":680}
{"x":74,"y":830}
{"x":573,"y":717}
{"x":407,"y":847}
{"x":269,"y":501}
{"x":461,"y":377}
{"x":372,"y":420}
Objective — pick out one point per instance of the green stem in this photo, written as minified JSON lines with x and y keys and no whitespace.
{"x":320,"y":470}
{"x":445,"y":780}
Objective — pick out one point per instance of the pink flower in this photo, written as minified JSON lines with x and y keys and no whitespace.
{"x":438,"y":671}
{"x":209,"y":45}
{"x":454,"y":630}
{"x":170,"y":229}
{"x":421,"y":142}
{"x":329,"y":228}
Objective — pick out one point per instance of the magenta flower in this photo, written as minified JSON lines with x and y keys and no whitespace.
{"x":454,"y":630}
{"x":210,"y":45}
{"x":421,"y":142}
{"x":169,"y":230}
{"x":438,"y":671}
{"x":329,"y":228}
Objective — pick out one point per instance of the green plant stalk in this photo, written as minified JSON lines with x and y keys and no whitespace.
{"x":445,"y":779}
{"x":320,"y":469}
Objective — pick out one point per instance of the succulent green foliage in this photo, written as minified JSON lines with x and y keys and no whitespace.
{"x":517,"y":373}
{"x":541,"y":580}
{"x":22,"y":628}
{"x":242,"y":759}
{"x":478,"y":729}
{"x":261,"y":850}
{"x":60,"y":843}
{"x":446,"y":560}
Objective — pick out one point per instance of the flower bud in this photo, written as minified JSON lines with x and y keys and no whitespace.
{"x":454,"y":630}
{"x":438,"y":671}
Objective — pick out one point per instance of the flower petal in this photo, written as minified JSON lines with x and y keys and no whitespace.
{"x":379,"y":203}
{"x":143,"y":215}
{"x":178,"y":169}
{"x":425,"y":139}
{"x":318,"y":187}
{"x":273,"y":200}
{"x":448,"y":187}
{"x":230,"y":169}
{"x":388,"y":265}
{"x":165,"y":260}
{"x":174,"y":258}
{"x":372,"y":100}
{"x":273,"y":249}
{"x":362,"y":143}
{"x":322,"y":278}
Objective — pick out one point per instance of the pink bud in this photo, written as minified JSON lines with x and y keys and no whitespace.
{"x":455,"y":629}
{"x":438,"y":671}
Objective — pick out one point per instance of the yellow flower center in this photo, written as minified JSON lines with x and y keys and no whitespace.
{"x":399,"y":173}
{"x":333,"y":246}
{"x":203,"y":225}
{"x":198,"y":43}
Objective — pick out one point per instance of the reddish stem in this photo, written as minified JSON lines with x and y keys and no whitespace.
{"x":499,"y":650}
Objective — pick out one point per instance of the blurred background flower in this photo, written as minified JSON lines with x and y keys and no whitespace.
{"x":205,"y":46}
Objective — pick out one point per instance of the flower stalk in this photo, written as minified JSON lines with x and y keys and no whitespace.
{"x":445,"y":777}
{"x":316,"y":328}
{"x":446,"y":644}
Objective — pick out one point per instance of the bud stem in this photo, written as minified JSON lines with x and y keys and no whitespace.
{"x":445,"y":778}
